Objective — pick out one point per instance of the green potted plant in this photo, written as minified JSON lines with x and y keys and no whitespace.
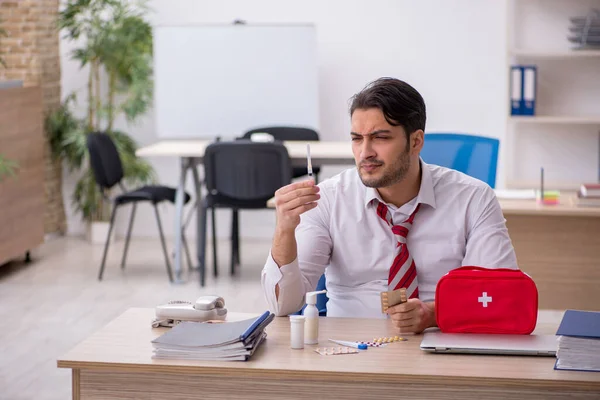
{"x":116,"y":44}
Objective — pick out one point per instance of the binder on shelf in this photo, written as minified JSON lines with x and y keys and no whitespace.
{"x":516,"y":90}
{"x":529,"y":89}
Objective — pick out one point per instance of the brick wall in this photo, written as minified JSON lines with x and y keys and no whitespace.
{"x":31,"y":53}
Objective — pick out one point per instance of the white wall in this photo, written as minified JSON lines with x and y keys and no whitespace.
{"x":453,"y":52}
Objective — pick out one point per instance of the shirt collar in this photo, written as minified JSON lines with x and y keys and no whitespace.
{"x":426,"y":193}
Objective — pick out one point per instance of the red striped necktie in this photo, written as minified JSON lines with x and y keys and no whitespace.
{"x":403,"y":273}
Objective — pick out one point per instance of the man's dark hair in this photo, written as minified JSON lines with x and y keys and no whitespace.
{"x":400,"y":103}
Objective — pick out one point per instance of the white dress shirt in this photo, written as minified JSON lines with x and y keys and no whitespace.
{"x":459,"y":223}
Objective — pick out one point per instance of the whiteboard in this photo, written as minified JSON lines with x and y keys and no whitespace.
{"x":223,"y":80}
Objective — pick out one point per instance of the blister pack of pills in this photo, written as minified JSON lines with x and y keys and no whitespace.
{"x":383,"y":341}
{"x":389,"y":339}
{"x":392,"y":298}
{"x":332,"y":351}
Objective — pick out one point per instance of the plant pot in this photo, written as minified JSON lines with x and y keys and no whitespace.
{"x":97,"y":231}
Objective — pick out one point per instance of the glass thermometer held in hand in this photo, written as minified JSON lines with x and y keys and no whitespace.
{"x":308,"y":161}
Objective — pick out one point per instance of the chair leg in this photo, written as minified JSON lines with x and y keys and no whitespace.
{"x":237,"y":238}
{"x":187,"y":251}
{"x":234,"y":239}
{"x":202,"y":244}
{"x":128,"y":236}
{"x":164,"y":245}
{"x":214,"y":242}
{"x":110,"y":228}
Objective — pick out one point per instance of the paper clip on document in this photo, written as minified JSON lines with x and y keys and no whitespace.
{"x":308,"y":161}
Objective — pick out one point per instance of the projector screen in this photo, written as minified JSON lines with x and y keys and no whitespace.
{"x":223,"y":80}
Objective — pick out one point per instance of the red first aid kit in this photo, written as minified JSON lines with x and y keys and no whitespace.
{"x":482,"y":300}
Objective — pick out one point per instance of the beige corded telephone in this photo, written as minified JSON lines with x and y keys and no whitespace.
{"x":204,"y":309}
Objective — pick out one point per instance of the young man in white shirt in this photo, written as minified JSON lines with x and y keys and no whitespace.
{"x":393,"y":221}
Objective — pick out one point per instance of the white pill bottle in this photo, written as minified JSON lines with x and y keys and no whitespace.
{"x":311,"y":316}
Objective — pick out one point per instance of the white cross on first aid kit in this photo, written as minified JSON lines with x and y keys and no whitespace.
{"x":484,"y":299}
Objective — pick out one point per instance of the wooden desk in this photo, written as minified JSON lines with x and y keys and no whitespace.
{"x":321,"y":152}
{"x":116,"y":363}
{"x":559,"y":246}
{"x":566,"y":208}
{"x":191,"y":154}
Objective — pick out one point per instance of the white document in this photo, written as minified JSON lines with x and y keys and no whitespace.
{"x":506,"y":194}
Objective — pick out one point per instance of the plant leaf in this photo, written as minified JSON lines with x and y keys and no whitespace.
{"x":7,"y":168}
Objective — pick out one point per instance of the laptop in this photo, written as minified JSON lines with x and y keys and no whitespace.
{"x":470,"y":343}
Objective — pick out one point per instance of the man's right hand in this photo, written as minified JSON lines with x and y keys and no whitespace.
{"x":293,"y":200}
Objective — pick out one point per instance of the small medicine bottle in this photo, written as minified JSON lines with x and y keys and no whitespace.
{"x":297,"y":331}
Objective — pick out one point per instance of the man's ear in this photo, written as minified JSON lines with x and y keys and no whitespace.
{"x":417,"y":139}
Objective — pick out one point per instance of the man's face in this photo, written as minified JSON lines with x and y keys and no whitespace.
{"x":381,"y":151}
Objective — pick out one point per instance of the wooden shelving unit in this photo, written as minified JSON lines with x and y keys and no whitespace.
{"x":556,"y":119}
{"x":554,"y":55}
{"x":563,"y":136}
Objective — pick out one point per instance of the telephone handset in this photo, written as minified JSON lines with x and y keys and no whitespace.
{"x":204,"y":309}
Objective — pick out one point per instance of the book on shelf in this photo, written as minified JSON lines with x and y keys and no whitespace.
{"x":228,"y":341}
{"x":579,"y":341}
{"x":588,"y":195}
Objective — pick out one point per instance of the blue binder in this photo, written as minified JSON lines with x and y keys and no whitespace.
{"x":579,"y":324}
{"x":529,"y":89}
{"x":516,"y":90}
{"x":584,"y":324}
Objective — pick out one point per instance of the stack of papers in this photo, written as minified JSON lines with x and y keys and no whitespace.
{"x":585,"y":30}
{"x":515,"y":194}
{"x":579,"y":341}
{"x":227,"y":341}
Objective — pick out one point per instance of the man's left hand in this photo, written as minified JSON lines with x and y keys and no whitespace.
{"x":414,"y":316}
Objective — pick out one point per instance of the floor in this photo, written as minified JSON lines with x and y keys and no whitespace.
{"x":51,"y":304}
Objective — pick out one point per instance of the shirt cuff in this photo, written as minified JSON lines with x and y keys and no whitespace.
{"x":289,"y":279}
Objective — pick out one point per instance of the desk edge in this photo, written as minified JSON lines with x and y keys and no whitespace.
{"x":342,"y":376}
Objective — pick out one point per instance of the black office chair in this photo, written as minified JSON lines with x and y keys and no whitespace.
{"x":290,"y":133}
{"x":239,"y":175}
{"x":281,"y":133}
{"x":108,"y":172}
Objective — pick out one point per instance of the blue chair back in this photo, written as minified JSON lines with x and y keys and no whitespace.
{"x":476,"y":156}
{"x":321,"y":299}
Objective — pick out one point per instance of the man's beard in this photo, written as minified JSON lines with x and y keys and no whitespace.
{"x":393,"y":174}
